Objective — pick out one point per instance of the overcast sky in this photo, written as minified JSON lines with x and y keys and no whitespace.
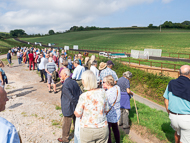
{"x":39,"y":16}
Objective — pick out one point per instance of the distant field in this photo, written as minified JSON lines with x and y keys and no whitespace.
{"x":168,"y":40}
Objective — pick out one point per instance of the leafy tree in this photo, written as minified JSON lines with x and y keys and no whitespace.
{"x":51,"y":32}
{"x":17,"y":33}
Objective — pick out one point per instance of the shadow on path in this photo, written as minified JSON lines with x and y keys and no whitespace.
{"x":18,"y":89}
{"x":15,"y":105}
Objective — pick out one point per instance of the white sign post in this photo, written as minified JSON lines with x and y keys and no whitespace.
{"x":75,"y":47}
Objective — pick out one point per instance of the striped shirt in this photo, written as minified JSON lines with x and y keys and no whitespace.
{"x":51,"y":67}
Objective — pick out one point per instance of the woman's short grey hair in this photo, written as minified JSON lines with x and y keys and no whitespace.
{"x":127,"y":74}
{"x":65,"y":62}
{"x":67,"y":71}
{"x":109,"y":80}
{"x":94,"y":63}
{"x":89,"y":79}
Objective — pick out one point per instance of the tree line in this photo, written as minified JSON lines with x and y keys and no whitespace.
{"x":22,"y":33}
{"x":169,"y":24}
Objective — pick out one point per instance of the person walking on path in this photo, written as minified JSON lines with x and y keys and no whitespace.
{"x":18,"y":57}
{"x":9,"y":58}
{"x":3,"y":77}
{"x":124,"y":84}
{"x":177,"y":102}
{"x":92,"y":126}
{"x":42,"y":68}
{"x":8,"y":132}
{"x":24,"y":57}
{"x":31,"y":60}
{"x":77,"y":74}
{"x":114,"y":95}
{"x":109,"y":71}
{"x":69,"y":99}
{"x":50,"y":68}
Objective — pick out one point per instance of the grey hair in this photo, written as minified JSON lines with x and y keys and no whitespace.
{"x":50,"y":59}
{"x":127,"y":74}
{"x":67,"y":71}
{"x":76,"y":62}
{"x":65,"y":62}
{"x":94,"y":63}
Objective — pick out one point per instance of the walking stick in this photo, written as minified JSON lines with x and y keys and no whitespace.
{"x":136,"y":109}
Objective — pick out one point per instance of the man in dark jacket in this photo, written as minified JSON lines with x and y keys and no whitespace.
{"x":69,"y":99}
{"x":9,"y":58}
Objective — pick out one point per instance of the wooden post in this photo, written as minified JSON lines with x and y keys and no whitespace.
{"x":161,"y":67}
{"x":150,"y":64}
{"x":178,"y":55}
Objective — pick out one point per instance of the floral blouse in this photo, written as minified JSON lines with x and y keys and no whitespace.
{"x":92,"y":105}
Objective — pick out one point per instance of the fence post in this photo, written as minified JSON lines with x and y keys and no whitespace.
{"x":161,"y":67}
{"x":178,"y":55}
{"x":150,"y":64}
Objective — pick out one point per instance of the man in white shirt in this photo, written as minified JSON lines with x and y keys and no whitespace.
{"x":77,"y":73}
{"x":42,"y":65}
{"x":94,"y":69}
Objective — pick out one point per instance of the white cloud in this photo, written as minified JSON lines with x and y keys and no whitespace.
{"x":38,"y":16}
{"x":166,"y":1}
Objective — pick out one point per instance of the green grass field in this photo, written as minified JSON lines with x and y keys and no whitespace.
{"x":168,"y":40}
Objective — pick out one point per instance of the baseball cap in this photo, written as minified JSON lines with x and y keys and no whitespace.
{"x":110,"y":62}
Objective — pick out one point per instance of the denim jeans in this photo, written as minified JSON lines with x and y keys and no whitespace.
{"x":19,"y":60}
{"x":77,"y":131}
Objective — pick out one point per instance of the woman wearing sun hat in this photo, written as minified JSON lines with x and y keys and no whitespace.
{"x":102,"y":66}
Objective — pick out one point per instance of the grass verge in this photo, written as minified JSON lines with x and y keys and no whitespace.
{"x":156,"y":122}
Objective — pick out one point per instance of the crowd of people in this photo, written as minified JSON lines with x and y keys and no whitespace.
{"x":93,"y":96}
{"x":90,"y":95}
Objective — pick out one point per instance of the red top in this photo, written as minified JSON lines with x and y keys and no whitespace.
{"x":55,"y":60}
{"x":31,"y":57}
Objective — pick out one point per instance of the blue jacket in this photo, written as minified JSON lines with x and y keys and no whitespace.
{"x":69,"y":97}
{"x":8,"y":56}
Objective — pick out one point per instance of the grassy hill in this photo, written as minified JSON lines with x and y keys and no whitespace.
{"x":168,"y":40}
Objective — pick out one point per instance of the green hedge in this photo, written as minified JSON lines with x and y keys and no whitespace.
{"x":150,"y":84}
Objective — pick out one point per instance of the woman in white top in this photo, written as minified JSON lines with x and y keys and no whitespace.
{"x":114,"y":95}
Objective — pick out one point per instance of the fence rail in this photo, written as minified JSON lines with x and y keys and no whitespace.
{"x":128,"y":51}
{"x":139,"y":62}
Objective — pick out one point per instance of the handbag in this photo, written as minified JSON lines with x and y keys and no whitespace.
{"x":113,"y":103}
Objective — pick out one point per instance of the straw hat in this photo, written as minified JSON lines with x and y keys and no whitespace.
{"x":102,"y":66}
